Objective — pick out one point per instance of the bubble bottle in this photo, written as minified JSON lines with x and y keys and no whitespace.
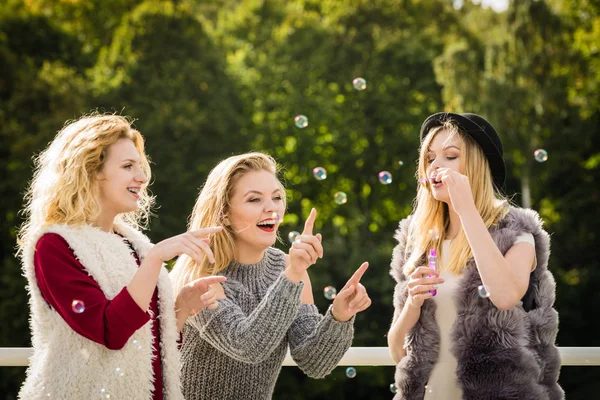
{"x":432,"y":263}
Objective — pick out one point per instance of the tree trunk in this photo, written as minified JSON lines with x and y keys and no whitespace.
{"x":525,"y":188}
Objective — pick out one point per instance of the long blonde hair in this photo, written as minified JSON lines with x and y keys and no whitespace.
{"x":212,"y":207}
{"x":64,"y":188}
{"x":431,"y":215}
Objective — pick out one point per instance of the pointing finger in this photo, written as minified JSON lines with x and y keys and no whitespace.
{"x":358,"y":274}
{"x":204,"y":232}
{"x":310,"y":222}
{"x":209,"y":280}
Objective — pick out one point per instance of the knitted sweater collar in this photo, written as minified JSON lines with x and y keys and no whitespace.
{"x":258,"y":277}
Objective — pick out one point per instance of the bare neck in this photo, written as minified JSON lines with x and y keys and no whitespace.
{"x":105,"y":221}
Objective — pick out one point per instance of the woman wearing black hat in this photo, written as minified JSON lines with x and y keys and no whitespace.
{"x":482,"y":324}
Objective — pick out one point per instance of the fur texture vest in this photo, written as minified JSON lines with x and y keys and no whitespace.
{"x":70,"y":366}
{"x":506,"y":354}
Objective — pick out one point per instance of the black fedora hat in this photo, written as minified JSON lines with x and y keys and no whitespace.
{"x":481,"y":131}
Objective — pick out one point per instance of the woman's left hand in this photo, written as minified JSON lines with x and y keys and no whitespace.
{"x":199,"y":294}
{"x":459,"y":189}
{"x":353,"y":297}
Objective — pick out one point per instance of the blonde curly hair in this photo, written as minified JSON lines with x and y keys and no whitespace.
{"x":64,"y":188}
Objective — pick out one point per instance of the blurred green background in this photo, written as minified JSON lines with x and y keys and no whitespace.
{"x":208,"y":79}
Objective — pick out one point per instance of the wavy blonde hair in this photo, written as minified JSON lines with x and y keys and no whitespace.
{"x":431,"y":215}
{"x":64,"y":188}
{"x":211,"y":207}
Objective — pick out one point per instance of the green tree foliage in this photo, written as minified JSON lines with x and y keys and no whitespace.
{"x":163,"y":69}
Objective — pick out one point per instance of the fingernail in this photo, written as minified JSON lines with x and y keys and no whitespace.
{"x":435,"y":286}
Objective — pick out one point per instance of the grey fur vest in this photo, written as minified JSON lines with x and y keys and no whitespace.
{"x":501,"y":354}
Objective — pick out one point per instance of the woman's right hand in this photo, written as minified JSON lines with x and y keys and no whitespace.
{"x":419,"y":285}
{"x":194,"y":244}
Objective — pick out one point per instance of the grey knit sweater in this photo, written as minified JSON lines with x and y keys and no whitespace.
{"x":236,"y":351}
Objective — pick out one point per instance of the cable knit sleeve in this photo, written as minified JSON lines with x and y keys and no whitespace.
{"x":317,"y":342}
{"x":251,"y":338}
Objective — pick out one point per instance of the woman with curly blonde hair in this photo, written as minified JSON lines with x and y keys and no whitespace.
{"x":104,"y":318}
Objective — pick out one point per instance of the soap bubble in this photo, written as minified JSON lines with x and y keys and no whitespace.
{"x":78,"y":306}
{"x":276,"y":216}
{"x":301,"y":121}
{"x":330,"y":292}
{"x":540,"y":155}
{"x":340,"y":198}
{"x":350,"y":372}
{"x":359,"y":84}
{"x":319,"y":173}
{"x":433,"y":234}
{"x":483,"y":292}
{"x":292,"y":236}
{"x":385,"y":177}
{"x":137,"y":344}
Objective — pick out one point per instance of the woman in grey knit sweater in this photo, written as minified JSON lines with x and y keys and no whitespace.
{"x":236,"y":350}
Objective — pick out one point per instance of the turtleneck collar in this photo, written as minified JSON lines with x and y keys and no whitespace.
{"x":259,"y":276}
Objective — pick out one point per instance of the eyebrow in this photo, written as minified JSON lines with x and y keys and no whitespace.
{"x":260,"y":193}
{"x":131,"y":160}
{"x":445,"y":148}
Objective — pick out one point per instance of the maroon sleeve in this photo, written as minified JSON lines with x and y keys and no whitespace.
{"x":63,"y":279}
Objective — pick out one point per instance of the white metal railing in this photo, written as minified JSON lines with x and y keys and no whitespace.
{"x":356,"y":356}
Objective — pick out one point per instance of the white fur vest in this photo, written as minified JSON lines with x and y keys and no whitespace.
{"x":501,"y":354}
{"x":69,"y":366}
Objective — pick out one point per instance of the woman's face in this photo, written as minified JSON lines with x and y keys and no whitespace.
{"x":120,"y":179}
{"x":444,"y":152}
{"x":255,"y":211}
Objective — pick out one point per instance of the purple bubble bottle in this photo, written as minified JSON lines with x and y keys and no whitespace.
{"x":432,"y":263}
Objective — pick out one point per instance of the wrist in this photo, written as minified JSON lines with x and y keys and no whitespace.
{"x":293,"y":276}
{"x":338,"y":317}
{"x":468,"y":211}
{"x":411,"y":306}
{"x":152,"y":259}
{"x":181,"y":308}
